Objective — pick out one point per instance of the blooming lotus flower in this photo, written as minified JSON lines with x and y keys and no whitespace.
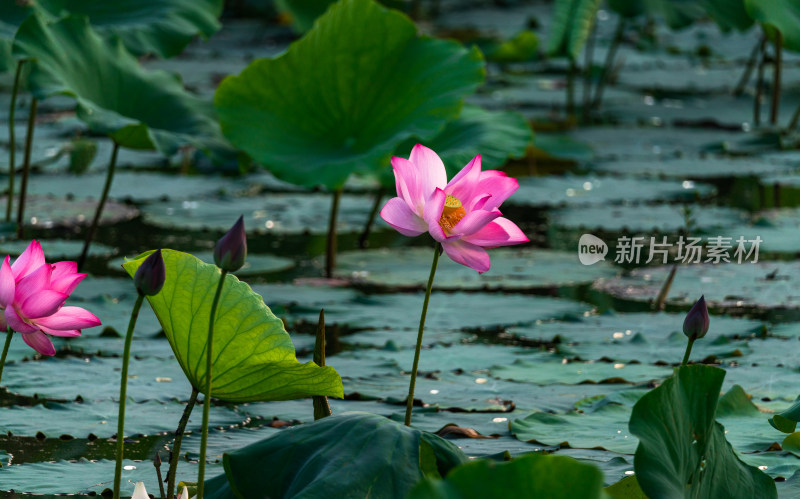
{"x":462,"y":214}
{"x":32,"y":296}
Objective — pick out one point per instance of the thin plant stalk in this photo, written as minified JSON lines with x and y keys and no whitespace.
{"x":610,"y":56}
{"x":795,"y":119}
{"x":776,"y":78}
{"x":759,"y":85}
{"x":588,"y":64}
{"x":376,"y":205}
{"x":661,"y":299}
{"x":573,"y":69}
{"x":410,"y":402}
{"x":157,"y":464}
{"x":688,"y":351}
{"x":174,"y":455}
{"x":7,"y":344}
{"x":12,"y":140}
{"x":330,"y":246}
{"x":99,"y":211}
{"x":26,"y":167}
{"x":207,"y":397}
{"x":748,"y":71}
{"x":322,"y":408}
{"x":123,"y":389}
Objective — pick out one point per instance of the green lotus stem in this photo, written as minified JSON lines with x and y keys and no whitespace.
{"x":610,"y":56}
{"x":330,"y":246}
{"x":96,"y":220}
{"x":573,"y":68}
{"x":376,"y":206}
{"x":207,"y":397}
{"x":26,"y":167}
{"x":776,"y":78}
{"x":123,"y":389}
{"x":12,"y":140}
{"x":174,"y":455}
{"x":587,"y":74}
{"x":759,"y":84}
{"x":795,"y":119}
{"x":688,"y":352}
{"x":410,"y":402}
{"x":748,"y":71}
{"x":322,"y":408}
{"x":7,"y":344}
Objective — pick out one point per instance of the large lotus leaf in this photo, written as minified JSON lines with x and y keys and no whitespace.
{"x":495,"y":135}
{"x":12,"y":14}
{"x":161,"y":27}
{"x":361,"y":81}
{"x":728,"y":14}
{"x":138,"y":109}
{"x":573,"y":20}
{"x":253,"y":356}
{"x":533,"y":475}
{"x":781,"y":15}
{"x":682,"y":450}
{"x":303,"y":12}
{"x":351,"y":455}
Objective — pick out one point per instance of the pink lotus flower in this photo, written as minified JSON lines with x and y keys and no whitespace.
{"x":463,"y":214}
{"x":32,"y":296}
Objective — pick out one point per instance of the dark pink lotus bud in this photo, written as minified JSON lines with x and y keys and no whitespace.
{"x":696,"y":323}
{"x":231,"y":250}
{"x":151,"y":274}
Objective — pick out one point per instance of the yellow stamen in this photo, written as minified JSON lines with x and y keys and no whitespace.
{"x":452,"y":213}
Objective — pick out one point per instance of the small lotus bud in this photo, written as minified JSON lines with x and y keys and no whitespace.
{"x":696,"y":323}
{"x":139,"y":492}
{"x":151,"y":274}
{"x":231,"y":250}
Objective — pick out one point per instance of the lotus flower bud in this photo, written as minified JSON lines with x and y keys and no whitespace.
{"x":696,"y":323}
{"x":139,"y":492}
{"x":231,"y":250}
{"x":151,"y":274}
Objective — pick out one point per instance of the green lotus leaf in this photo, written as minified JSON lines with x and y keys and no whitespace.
{"x":351,"y":455}
{"x":161,"y":27}
{"x":254,"y":359}
{"x":360,"y":82}
{"x":533,"y":475}
{"x":138,"y":109}
{"x":303,"y":12}
{"x":495,"y":135}
{"x":682,"y":450}
{"x":573,"y":20}
{"x":780,"y":15}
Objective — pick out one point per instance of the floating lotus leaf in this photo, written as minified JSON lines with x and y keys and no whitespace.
{"x":340,"y":99}
{"x":138,"y":109}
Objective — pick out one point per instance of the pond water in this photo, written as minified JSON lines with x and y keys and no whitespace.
{"x":540,"y":353}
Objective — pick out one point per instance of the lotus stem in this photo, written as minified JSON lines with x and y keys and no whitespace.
{"x":321,"y":407}
{"x":330,"y":247}
{"x":12,"y":140}
{"x":748,"y":71}
{"x":123,"y":389}
{"x":795,"y":119}
{"x":7,"y":344}
{"x":157,"y":465}
{"x":176,"y":446}
{"x":661,"y":299}
{"x":26,"y":166}
{"x":776,"y":78}
{"x":207,"y":394}
{"x":376,"y":205}
{"x":573,"y":69}
{"x":410,"y":402}
{"x":759,"y":85}
{"x":587,"y":74}
{"x":610,"y":56}
{"x":688,"y":351}
{"x":99,"y":211}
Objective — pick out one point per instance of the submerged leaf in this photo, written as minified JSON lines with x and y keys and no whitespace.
{"x":254,"y":359}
